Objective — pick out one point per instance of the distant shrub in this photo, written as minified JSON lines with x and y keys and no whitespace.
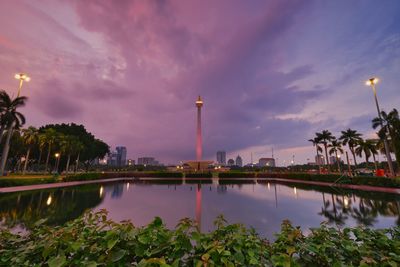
{"x":236,"y":175}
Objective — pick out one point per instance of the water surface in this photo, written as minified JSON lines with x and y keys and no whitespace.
{"x":259,"y":205}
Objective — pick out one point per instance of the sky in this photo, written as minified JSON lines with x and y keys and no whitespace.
{"x":271,"y":73}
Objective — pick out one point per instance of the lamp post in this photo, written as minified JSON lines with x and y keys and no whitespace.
{"x":371,"y":82}
{"x":57,"y":155}
{"x":22,"y":77}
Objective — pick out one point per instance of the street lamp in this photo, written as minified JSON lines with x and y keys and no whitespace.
{"x":57,"y":155}
{"x":371,"y":82}
{"x":22,"y":77}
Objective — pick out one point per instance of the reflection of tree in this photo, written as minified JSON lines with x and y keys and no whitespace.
{"x":57,"y":206}
{"x":365,"y":214}
{"x":118,"y":190}
{"x":338,"y":208}
{"x":334,"y":214}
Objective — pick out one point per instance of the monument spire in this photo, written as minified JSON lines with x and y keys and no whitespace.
{"x":199,"y":148}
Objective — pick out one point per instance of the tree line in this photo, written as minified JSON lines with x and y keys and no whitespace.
{"x":389,"y":129}
{"x":41,"y":149}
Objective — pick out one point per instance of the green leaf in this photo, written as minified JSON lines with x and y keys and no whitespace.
{"x":57,"y":261}
{"x":91,"y":264}
{"x":111,"y":243}
{"x":117,"y":255}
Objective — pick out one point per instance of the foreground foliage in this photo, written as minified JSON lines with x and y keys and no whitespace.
{"x":93,"y":240}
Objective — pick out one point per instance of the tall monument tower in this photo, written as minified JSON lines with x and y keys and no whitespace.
{"x":199,"y":148}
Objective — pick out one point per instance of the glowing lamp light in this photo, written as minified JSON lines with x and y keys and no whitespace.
{"x":372,"y":81}
{"x":57,"y":155}
{"x":101,"y":191}
{"x":22,"y":76}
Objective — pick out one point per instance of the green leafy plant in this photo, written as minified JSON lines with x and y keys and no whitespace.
{"x":94,"y":240}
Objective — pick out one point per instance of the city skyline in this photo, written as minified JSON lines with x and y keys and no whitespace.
{"x":264,"y":86}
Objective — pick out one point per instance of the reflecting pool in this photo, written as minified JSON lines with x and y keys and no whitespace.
{"x":261,"y":205}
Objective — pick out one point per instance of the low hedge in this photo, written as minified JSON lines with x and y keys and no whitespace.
{"x":8,"y":182}
{"x":236,"y":175}
{"x":93,"y":240}
{"x":110,"y":175}
{"x":331,"y":178}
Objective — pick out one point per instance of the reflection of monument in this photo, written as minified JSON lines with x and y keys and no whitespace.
{"x":199,"y":164}
{"x":198,"y":206}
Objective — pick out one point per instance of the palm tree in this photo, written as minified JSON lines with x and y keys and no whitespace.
{"x":368,"y":147}
{"x":10,"y":119}
{"x":335,"y":147}
{"x":30,"y":137}
{"x":42,"y":143}
{"x":50,"y":135}
{"x":67,"y":146}
{"x":78,"y":147}
{"x":390,"y":123}
{"x":315,"y":141}
{"x":325,"y":137}
{"x":351,"y":138}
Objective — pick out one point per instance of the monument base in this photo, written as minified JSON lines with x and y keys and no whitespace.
{"x":195,"y":165}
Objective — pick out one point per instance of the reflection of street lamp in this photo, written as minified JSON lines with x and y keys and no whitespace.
{"x":21,"y":77}
{"x":101,"y":191}
{"x":48,"y":202}
{"x":346,"y":202}
{"x":371,"y":82}
{"x":57,"y":155}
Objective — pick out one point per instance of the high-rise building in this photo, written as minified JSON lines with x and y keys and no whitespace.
{"x":319,"y":160}
{"x":121,"y":155}
{"x":221,"y":157}
{"x":239,"y":161}
{"x":112,"y":158}
{"x":266,"y":162}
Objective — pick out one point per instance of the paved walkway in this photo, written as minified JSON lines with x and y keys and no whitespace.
{"x":62,"y":184}
{"x":349,"y":186}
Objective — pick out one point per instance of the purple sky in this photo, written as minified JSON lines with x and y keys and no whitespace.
{"x":271,"y":73}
